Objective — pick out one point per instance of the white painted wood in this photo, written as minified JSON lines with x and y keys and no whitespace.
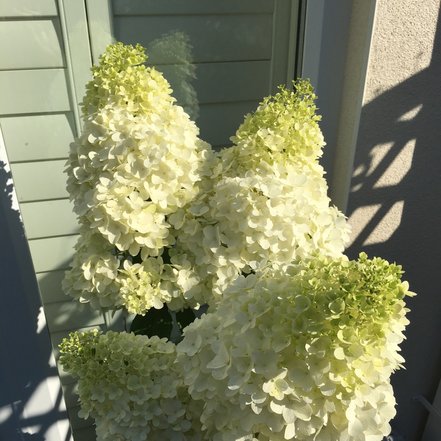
{"x":178,"y":7}
{"x":31,"y":392}
{"x":43,"y":71}
{"x":284,"y":37}
{"x":212,"y":37}
{"x":40,"y":180}
{"x":64,"y":316}
{"x":100,"y":24}
{"x":49,"y":218}
{"x":33,"y":91}
{"x":219,"y":122}
{"x":50,"y":287}
{"x":359,"y":44}
{"x":73,"y":17}
{"x":54,"y":253}
{"x":31,"y":44}
{"x":27,"y":8}
{"x":313,"y":41}
{"x":221,"y":82}
{"x":38,"y":137}
{"x":335,"y":55}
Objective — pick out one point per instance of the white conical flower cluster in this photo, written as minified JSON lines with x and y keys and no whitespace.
{"x":267,"y":204}
{"x":302,"y":354}
{"x":131,"y":386}
{"x":298,"y":342}
{"x":146,"y":188}
{"x":138,"y":160}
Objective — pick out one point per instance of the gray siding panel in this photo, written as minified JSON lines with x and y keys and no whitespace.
{"x":241,"y":81}
{"x":42,"y":180}
{"x":33,"y":91}
{"x":191,"y":7}
{"x":31,"y":44}
{"x":213,"y":38}
{"x":28,"y":8}
{"x":38,"y":137}
{"x":49,"y":218}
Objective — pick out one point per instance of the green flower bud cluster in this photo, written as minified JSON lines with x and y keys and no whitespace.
{"x":283,"y":129}
{"x":121,"y":79}
{"x":131,"y":387}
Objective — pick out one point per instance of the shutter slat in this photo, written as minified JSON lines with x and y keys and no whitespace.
{"x":54,"y":253}
{"x":33,"y":91}
{"x":49,"y":218}
{"x":38,"y":137}
{"x":213,"y":38}
{"x":28,"y":8}
{"x":220,"y":82}
{"x":71,"y":315}
{"x":50,"y":287}
{"x":39,"y":180}
{"x":155,"y":7}
{"x":31,"y":44}
{"x":219,"y":122}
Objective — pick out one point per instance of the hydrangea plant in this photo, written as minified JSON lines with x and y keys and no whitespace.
{"x":138,"y":160}
{"x":305,"y":353}
{"x":131,"y":386}
{"x":298,"y":342}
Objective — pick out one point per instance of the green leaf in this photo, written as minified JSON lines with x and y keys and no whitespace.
{"x":185,"y":317}
{"x":154,"y":322}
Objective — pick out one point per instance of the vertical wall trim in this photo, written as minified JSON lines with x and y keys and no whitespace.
{"x":73,"y":19}
{"x":100,"y":19}
{"x":284,"y":43}
{"x":294,"y":29}
{"x":312,"y":40}
{"x":360,"y":38}
{"x":300,"y":38}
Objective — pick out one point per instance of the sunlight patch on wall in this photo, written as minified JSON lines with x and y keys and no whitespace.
{"x":39,"y":405}
{"x":411,"y":114}
{"x":387,"y":225}
{"x":360,"y":219}
{"x":6,"y":412}
{"x":378,"y":153}
{"x":399,"y":167}
{"x":384,"y":227}
{"x":5,"y":164}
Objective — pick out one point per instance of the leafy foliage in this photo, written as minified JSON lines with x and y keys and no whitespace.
{"x":155,"y":322}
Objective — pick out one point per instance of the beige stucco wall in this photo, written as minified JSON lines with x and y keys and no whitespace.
{"x":395,"y":197}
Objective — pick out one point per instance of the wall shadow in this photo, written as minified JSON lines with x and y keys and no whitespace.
{"x":416,"y":242}
{"x":28,"y":409}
